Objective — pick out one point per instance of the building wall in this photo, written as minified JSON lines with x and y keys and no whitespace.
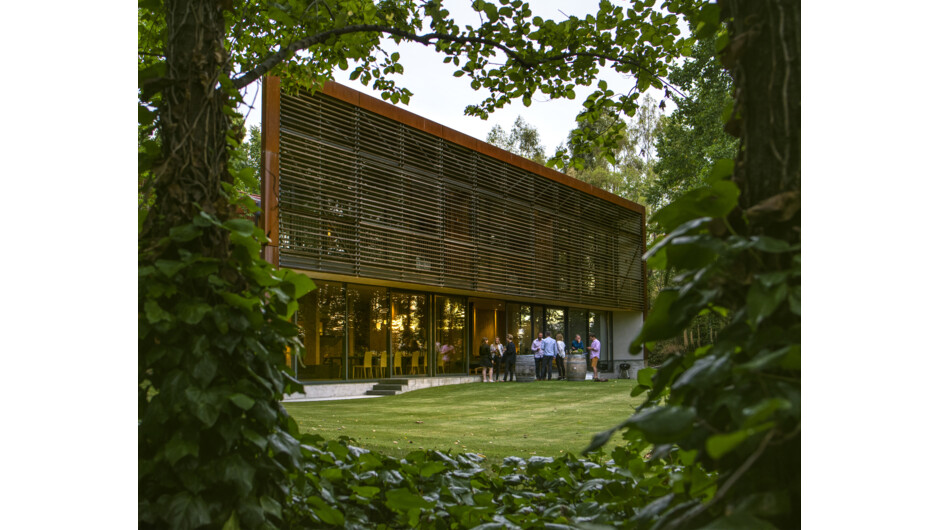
{"x":365,"y":195}
{"x":626,"y":327}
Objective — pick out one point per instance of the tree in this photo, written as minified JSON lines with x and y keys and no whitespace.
{"x":692,"y":138}
{"x":246,"y":163}
{"x":523,"y":140}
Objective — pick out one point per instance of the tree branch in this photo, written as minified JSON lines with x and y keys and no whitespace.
{"x":272,"y":60}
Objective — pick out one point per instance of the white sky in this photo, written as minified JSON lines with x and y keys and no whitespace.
{"x":441,"y":97}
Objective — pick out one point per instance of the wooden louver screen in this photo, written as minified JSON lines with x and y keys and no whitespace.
{"x":363,"y":195}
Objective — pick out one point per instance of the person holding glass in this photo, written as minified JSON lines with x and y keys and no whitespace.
{"x":509,"y":359}
{"x":560,"y":355}
{"x":537,"y":353}
{"x":595,"y":350}
{"x":486,"y":361}
{"x":496,"y":352}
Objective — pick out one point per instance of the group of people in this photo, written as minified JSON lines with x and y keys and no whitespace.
{"x":544,"y":350}
{"x":496,"y":354}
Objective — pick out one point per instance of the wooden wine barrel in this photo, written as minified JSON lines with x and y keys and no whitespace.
{"x":575,"y":367}
{"x":525,"y":368}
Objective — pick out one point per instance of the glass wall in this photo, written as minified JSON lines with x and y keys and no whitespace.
{"x":555,"y":322}
{"x":322,"y":317}
{"x":538,"y":322}
{"x":409,"y":334}
{"x":368,"y":337}
{"x":360,"y":332}
{"x":577,"y":325}
{"x":520,"y":326}
{"x":450,"y":335}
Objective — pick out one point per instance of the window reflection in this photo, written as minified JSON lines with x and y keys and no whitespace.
{"x":409,"y":334}
{"x":538,"y":320}
{"x":321,"y":318}
{"x":450,"y":350}
{"x":368,"y":331}
{"x":554,"y":321}
{"x":520,"y":325}
{"x":577,"y":324}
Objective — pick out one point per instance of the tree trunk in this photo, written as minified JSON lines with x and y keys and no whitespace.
{"x":764,"y":59}
{"x":193,"y":125}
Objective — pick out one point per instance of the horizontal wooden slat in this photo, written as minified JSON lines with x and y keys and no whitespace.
{"x":364,"y":195}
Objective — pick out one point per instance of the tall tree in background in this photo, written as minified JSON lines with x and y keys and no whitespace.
{"x":523,"y":139}
{"x":692,"y":137}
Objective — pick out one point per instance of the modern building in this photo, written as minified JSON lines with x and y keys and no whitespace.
{"x":423,"y":240}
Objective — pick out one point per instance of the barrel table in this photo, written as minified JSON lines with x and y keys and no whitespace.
{"x":525,"y":368}
{"x":575,"y":367}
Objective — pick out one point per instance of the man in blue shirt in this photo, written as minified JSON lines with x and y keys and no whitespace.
{"x":548,"y":356}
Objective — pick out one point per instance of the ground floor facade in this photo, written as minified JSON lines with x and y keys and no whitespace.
{"x":356,"y":332}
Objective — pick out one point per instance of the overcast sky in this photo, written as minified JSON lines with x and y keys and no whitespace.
{"x":441,"y":97}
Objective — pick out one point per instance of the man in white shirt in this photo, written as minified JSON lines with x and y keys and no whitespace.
{"x":537,"y":352}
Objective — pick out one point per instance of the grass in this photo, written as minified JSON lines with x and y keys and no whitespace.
{"x":494,"y":419}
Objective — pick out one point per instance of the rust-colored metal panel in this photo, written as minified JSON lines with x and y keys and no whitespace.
{"x":270,"y":163}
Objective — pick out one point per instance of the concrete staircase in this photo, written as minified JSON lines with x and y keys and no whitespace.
{"x":389,"y":387}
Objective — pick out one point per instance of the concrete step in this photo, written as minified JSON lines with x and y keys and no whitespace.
{"x":381,"y":392}
{"x":387,"y":386}
{"x":402,"y":382}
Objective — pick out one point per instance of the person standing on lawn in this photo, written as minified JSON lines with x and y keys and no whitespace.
{"x":486,"y":361}
{"x":549,"y":349}
{"x":497,"y":350}
{"x":509,"y":360}
{"x":595,"y":350}
{"x":560,"y":356}
{"x":537,"y":352}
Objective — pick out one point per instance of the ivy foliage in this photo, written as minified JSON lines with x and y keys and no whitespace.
{"x":213,"y":440}
{"x":346,"y":486}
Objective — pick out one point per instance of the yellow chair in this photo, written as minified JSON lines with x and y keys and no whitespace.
{"x":383,"y":365}
{"x":419,"y":367}
{"x":365,"y":367}
{"x":397,"y":366}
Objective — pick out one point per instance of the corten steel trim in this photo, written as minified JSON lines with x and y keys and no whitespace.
{"x":364,"y":101}
{"x":270,"y":164}
{"x":646,"y":289}
{"x":424,"y":288}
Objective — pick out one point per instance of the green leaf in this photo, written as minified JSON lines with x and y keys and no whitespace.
{"x":187,"y":511}
{"x":716,"y":200}
{"x":664,"y":424}
{"x":720,"y":444}
{"x":242,"y":401}
{"x":763,"y":300}
{"x":401,"y":500}
{"x":154,"y":312}
{"x":192,"y":312}
{"x":723,"y":168}
{"x":327,"y":513}
{"x":366,"y":491}
{"x":169,"y":267}
{"x":763,"y":410}
{"x":243,"y":227}
{"x":432,"y":468}
{"x":705,"y":372}
{"x":645,"y":376}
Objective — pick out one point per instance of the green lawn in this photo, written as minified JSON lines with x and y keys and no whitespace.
{"x":493,"y":419}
